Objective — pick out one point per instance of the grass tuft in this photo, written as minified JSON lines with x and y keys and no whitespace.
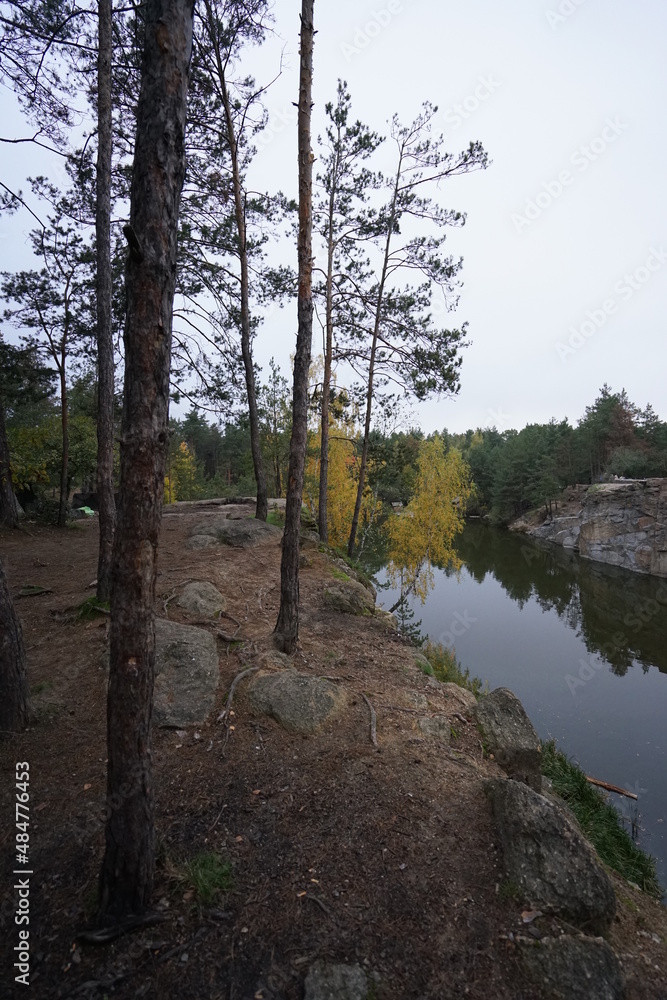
{"x":207,"y":874}
{"x":91,"y":608}
{"x":446,"y":667}
{"x":600,"y":822}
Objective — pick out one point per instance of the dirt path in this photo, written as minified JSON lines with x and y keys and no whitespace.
{"x":385,"y":857}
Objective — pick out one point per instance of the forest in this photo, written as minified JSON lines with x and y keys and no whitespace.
{"x":156,"y":255}
{"x":512,"y":471}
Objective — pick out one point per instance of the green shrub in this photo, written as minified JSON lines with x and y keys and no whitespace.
{"x":599,"y":821}
{"x":207,"y":874}
{"x":446,"y":667}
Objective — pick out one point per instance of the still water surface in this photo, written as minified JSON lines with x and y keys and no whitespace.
{"x":583,"y":645}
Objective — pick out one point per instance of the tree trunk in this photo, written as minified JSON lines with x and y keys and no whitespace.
{"x":326,"y":379}
{"x":371,"y":371}
{"x":105,"y":366}
{"x":64,"y":462}
{"x":159,"y":165}
{"x":287,"y":626}
{"x":9,"y":511}
{"x":262,"y":506}
{"x":14,"y":700}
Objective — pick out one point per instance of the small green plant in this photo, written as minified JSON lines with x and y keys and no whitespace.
{"x":600,"y":821}
{"x":91,"y":608}
{"x":276,"y":517}
{"x":426,"y":668}
{"x":509,"y":891}
{"x":40,"y":687}
{"x":207,"y":874}
{"x":339,"y":574}
{"x":446,"y":667}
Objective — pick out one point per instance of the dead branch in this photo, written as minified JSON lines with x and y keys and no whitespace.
{"x":224,"y":715}
{"x":610,"y":788}
{"x":322,"y":905}
{"x":170,"y":598}
{"x":374,"y":737}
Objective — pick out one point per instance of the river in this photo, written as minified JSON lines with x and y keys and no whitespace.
{"x":583,"y":645}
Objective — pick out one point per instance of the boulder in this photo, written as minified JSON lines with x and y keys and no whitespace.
{"x":242,"y":533}
{"x":436,"y":726}
{"x":309,"y":539}
{"x":350,"y":598}
{"x":201,"y":541}
{"x":186,"y":674}
{"x":335,"y":982}
{"x":574,"y":968}
{"x":201,"y":598}
{"x":298,"y":702}
{"x":510,"y":736}
{"x":388,"y":620}
{"x":548,"y":858}
{"x":461,"y":699}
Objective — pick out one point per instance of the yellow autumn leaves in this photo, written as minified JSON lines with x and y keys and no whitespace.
{"x":342,"y":492}
{"x":422,"y":535}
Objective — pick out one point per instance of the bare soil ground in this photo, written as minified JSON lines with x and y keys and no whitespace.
{"x":383,"y":856}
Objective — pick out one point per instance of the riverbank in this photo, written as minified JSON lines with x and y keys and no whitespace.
{"x":621,"y":523}
{"x":383,"y":857}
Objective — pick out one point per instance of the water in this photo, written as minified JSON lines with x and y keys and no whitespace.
{"x":583,"y":645}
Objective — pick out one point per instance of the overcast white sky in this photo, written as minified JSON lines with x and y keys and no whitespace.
{"x":565,"y":247}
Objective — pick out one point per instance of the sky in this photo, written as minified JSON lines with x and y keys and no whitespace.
{"x":565,"y":244}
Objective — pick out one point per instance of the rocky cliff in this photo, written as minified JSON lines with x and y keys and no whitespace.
{"x":623,"y":523}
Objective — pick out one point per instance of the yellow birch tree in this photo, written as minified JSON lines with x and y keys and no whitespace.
{"x":423,"y":534}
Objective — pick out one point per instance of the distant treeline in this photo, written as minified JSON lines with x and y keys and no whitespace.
{"x":513,"y":471}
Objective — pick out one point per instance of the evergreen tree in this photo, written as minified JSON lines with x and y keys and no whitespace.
{"x":401,"y":343}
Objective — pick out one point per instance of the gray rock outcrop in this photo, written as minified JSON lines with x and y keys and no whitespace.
{"x":622,"y":523}
{"x":574,"y":968}
{"x":349,"y":597}
{"x":335,"y":982}
{"x":298,"y":702}
{"x":243,"y":532}
{"x":548,"y":858}
{"x":460,"y":699}
{"x":200,"y":597}
{"x":436,"y":726}
{"x":201,"y":541}
{"x":186,"y":674}
{"x":510,"y":736}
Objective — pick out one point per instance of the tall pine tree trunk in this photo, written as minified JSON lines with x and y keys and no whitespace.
{"x":159,"y":165}
{"x":105,"y":366}
{"x":287,"y":626}
{"x":371,"y":368}
{"x":322,"y":506}
{"x":262,"y":506}
{"x":64,"y":461}
{"x":14,"y":701}
{"x":9,"y":510}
